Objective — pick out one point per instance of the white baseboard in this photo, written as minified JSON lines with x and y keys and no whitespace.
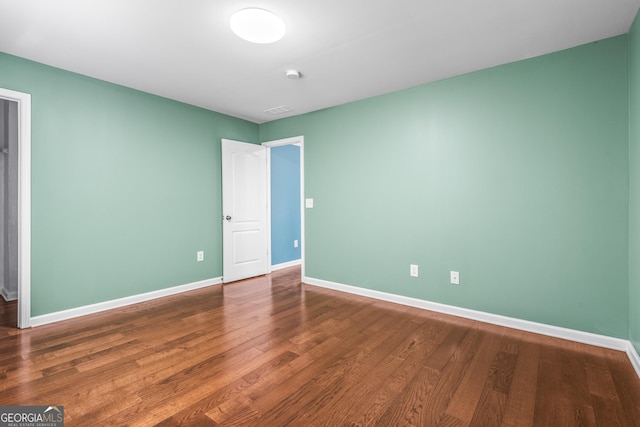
{"x":286,"y":265}
{"x":9,"y":296}
{"x":634,"y":358}
{"x":509,"y":322}
{"x":121,"y":302}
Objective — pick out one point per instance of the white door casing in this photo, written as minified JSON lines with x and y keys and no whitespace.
{"x":299,"y":141}
{"x":244,"y":210}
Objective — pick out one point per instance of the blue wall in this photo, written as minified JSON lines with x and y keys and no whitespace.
{"x":285,"y":203}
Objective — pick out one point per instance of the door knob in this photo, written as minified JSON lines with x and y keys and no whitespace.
{"x":228,"y":218}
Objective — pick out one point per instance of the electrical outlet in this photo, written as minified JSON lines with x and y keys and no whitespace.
{"x":295,"y":243}
{"x":413,"y":270}
{"x":455,"y":277}
{"x":200,"y":256}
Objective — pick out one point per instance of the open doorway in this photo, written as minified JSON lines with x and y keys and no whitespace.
{"x":15,"y":159}
{"x":285,"y":171}
{"x":8,"y":212}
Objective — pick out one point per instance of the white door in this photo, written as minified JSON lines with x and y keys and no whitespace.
{"x":244,"y":210}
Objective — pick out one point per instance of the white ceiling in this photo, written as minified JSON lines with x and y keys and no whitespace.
{"x":345,"y":49}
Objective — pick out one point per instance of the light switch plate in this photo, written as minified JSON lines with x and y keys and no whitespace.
{"x":413,"y":270}
{"x":308,"y":203}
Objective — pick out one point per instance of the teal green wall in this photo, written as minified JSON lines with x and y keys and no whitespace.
{"x":519,"y":176}
{"x":634,"y":184}
{"x":515,"y":176}
{"x":126,"y":187}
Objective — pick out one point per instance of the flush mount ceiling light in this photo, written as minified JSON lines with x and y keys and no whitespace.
{"x":293,"y":74}
{"x":257,"y":25}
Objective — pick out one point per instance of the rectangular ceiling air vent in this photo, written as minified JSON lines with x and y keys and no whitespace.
{"x":278,"y":110}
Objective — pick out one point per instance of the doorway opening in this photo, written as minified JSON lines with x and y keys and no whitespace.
{"x":15,"y":204}
{"x":9,"y":211}
{"x":286,"y":210}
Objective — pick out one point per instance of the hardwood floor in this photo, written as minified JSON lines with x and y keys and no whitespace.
{"x":8,"y":314}
{"x":272,"y":352}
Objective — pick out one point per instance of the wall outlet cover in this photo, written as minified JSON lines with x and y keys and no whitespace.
{"x":455,"y":277}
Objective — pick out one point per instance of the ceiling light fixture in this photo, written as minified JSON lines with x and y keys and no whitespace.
{"x":257,"y":25}
{"x":293,"y":74}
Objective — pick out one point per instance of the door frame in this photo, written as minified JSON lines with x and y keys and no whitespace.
{"x":299,"y":141}
{"x":24,"y":203}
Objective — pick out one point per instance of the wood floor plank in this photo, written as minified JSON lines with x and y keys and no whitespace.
{"x":465,"y":400}
{"x":378,"y":391}
{"x":363,"y":362}
{"x":520,"y":405}
{"x":607,"y":412}
{"x":408,"y":408}
{"x":8,"y":316}
{"x":212,"y":370}
{"x":490,"y":408}
{"x":311,"y":378}
{"x":271,"y":351}
{"x":231,"y":393}
{"x":180,"y":390}
{"x":552,"y":405}
{"x":600,"y":381}
{"x":575,"y":381}
{"x":348,"y":376}
{"x":493,"y":400}
{"x":451,"y":377}
{"x":627,"y":389}
{"x":562,"y":395}
{"x":441,"y":357}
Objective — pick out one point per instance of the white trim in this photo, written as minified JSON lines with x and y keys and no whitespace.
{"x":269,"y":267}
{"x":302,"y":209}
{"x":9,"y":296}
{"x":298,"y":141}
{"x":121,"y":302}
{"x":24,"y":203}
{"x":634,"y":357}
{"x":286,"y":264}
{"x":294,"y":140}
{"x":509,"y":322}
